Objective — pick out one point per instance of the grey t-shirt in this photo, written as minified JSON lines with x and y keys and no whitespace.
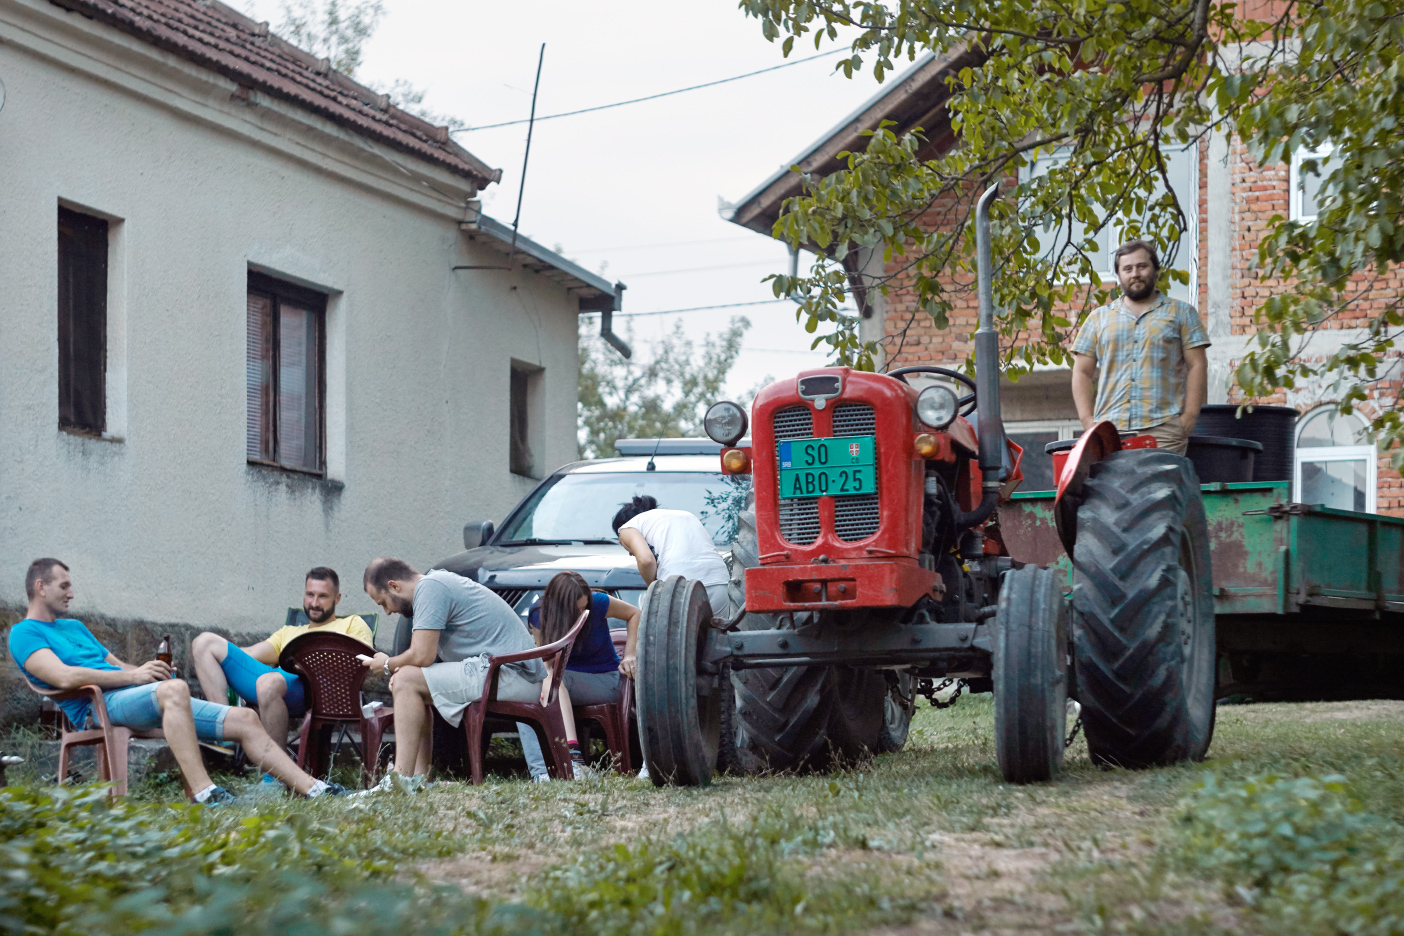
{"x":474,"y":621}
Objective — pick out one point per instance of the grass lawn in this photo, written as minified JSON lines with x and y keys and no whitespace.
{"x":928,"y":840}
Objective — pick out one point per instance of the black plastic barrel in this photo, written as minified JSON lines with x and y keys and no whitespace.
{"x":1217,"y":459}
{"x":1273,"y":427}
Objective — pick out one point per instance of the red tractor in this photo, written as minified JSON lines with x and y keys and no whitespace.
{"x":868,"y":564}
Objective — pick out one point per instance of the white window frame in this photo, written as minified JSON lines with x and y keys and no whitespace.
{"x":1189,"y":241}
{"x":1066,"y":428}
{"x":1337,"y":453}
{"x":1321,"y":154}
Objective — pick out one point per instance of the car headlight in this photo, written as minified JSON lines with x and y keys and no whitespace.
{"x":725,"y":422}
{"x":936,"y":406}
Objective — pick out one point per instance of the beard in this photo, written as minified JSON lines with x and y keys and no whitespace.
{"x":401,"y":606}
{"x":1138,"y":290}
{"x":317,"y":615}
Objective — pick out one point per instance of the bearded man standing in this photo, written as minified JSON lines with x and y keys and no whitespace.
{"x":1150,"y":350}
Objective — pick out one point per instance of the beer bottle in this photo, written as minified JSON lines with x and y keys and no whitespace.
{"x":163,"y":650}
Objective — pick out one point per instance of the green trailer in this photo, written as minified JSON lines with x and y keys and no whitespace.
{"x":1308,"y":600}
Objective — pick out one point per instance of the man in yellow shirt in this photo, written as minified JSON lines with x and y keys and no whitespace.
{"x":253,"y":671}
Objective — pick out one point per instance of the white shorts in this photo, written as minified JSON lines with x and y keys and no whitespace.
{"x":717,"y":598}
{"x":455,"y":686}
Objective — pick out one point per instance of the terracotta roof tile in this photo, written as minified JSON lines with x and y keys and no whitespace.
{"x":220,"y":38}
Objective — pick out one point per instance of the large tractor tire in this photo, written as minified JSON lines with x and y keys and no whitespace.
{"x":781,"y":712}
{"x":1031,"y":675}
{"x":1143,"y":612}
{"x":679,"y":703}
{"x":856,"y":711}
{"x":898,"y":707}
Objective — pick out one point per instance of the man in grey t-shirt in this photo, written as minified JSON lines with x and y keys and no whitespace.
{"x":460,"y":624}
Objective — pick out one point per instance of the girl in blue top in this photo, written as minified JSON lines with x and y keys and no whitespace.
{"x":593,"y":670}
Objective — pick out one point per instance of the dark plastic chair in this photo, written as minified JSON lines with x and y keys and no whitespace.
{"x":546,"y":719}
{"x":614,"y":717}
{"x":334,"y":678}
{"x":112,"y":741}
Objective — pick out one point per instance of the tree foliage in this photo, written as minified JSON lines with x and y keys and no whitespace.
{"x":661,"y":392}
{"x":1112,"y":87}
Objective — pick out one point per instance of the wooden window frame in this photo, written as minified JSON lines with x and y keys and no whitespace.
{"x":280,"y":291}
{"x":88,"y":244}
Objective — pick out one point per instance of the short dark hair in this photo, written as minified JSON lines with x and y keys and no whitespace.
{"x":323,"y":574}
{"x":1131,"y":247}
{"x":40,"y":570}
{"x":640,"y":504}
{"x":381,"y":572}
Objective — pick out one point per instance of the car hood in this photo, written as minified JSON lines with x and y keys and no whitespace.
{"x":602,"y":566}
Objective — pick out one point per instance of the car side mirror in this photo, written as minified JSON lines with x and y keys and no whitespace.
{"x":476,"y":533}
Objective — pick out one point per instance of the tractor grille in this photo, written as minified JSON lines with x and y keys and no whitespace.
{"x":855,"y":516}
{"x":799,"y":516}
{"x":795,"y":422}
{"x":799,"y":519}
{"x":854,"y":419}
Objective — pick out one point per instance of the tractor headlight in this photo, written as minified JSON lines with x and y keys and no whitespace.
{"x":725,"y":422}
{"x":936,"y":406}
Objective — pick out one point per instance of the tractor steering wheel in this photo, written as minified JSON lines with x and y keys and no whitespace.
{"x":961,"y":404}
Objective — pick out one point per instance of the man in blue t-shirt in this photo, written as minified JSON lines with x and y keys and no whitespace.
{"x":57,"y":652}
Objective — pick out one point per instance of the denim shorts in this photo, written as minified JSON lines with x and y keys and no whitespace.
{"x":243,"y":671}
{"x":136,"y":707}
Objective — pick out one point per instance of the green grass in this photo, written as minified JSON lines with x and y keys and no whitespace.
{"x":929,"y":833}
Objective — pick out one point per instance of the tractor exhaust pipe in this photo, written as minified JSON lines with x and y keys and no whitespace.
{"x":991,"y":427}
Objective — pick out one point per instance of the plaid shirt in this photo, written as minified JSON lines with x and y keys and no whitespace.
{"x":1141,"y":359}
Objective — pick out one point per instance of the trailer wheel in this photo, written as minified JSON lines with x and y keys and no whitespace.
{"x":679,"y":703}
{"x":857,"y":709}
{"x":898,"y":707}
{"x":781,"y":712}
{"x":1030,"y":675}
{"x":1143,"y":612}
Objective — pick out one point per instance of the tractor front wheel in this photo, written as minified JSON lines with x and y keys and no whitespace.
{"x":1143,"y":612}
{"x":679,"y":701}
{"x":1030,"y":675}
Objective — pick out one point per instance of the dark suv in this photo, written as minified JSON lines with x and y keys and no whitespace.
{"x":564,"y":524}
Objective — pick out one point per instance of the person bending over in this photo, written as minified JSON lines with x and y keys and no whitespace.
{"x":672,"y":542}
{"x":253,"y":671}
{"x":56,"y":652}
{"x":460,"y":624}
{"x":594,"y":667}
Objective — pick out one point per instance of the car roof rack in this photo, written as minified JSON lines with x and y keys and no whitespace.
{"x":670,"y":446}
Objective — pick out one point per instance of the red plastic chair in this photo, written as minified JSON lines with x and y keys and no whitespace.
{"x":614,"y":717}
{"x":334,"y":678}
{"x":112,"y":741}
{"x":546,"y":718}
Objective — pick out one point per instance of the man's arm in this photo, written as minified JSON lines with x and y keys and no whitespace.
{"x":634,"y":541}
{"x":264,"y":652}
{"x":45,"y":664}
{"x":423,"y":651}
{"x":1084,"y":387}
{"x":1196,"y":386}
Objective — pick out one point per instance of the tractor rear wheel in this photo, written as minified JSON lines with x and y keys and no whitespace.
{"x":1143,"y":612}
{"x":781,"y":712}
{"x":1030,"y":675}
{"x":856,"y":713}
{"x":679,"y":702}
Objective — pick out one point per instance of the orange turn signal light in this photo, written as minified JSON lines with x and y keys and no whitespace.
{"x":735,"y":461}
{"x":926,"y":445}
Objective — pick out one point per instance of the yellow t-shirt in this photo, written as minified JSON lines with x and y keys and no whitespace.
{"x":351,"y":626}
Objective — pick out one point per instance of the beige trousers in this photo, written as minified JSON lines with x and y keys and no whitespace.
{"x":1170,"y":436}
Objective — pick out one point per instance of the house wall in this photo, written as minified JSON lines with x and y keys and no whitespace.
{"x":166,"y":525}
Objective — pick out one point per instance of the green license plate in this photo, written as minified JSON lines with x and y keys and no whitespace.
{"x":836,"y":467}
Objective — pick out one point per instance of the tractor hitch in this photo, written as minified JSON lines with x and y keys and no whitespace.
{"x":895,"y":644}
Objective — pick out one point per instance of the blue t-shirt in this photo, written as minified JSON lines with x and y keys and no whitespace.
{"x":71,"y":642}
{"x":594,"y":648}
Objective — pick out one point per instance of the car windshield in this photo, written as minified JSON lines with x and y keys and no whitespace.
{"x":579,"y":507}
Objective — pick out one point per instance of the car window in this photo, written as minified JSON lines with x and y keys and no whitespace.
{"x":579,"y":507}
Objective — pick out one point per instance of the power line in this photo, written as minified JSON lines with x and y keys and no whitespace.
{"x":702,"y":269}
{"x":654,"y":97}
{"x":729,"y":305}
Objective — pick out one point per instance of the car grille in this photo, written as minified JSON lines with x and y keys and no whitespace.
{"x":854,"y":419}
{"x":799,"y":519}
{"x":855,"y":516}
{"x":510,"y":595}
{"x":795,"y":422}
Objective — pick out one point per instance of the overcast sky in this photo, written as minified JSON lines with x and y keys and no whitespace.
{"x":635,"y":187}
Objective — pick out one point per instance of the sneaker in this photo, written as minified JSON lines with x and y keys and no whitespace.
{"x":217,"y":796}
{"x":584,"y":771}
{"x":541,"y":778}
{"x":392,"y":782}
{"x":327,"y":788}
{"x":643,"y":772}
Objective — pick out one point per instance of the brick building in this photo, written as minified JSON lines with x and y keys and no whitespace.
{"x":1334,"y":463}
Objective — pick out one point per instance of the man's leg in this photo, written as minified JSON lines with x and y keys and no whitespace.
{"x":273,"y":707}
{"x":178,"y":723}
{"x":207,"y":653}
{"x":1169,"y":436}
{"x":242,"y":725}
{"x":412,"y":726}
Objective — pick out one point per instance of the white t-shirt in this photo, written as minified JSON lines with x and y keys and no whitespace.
{"x":681,"y":544}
